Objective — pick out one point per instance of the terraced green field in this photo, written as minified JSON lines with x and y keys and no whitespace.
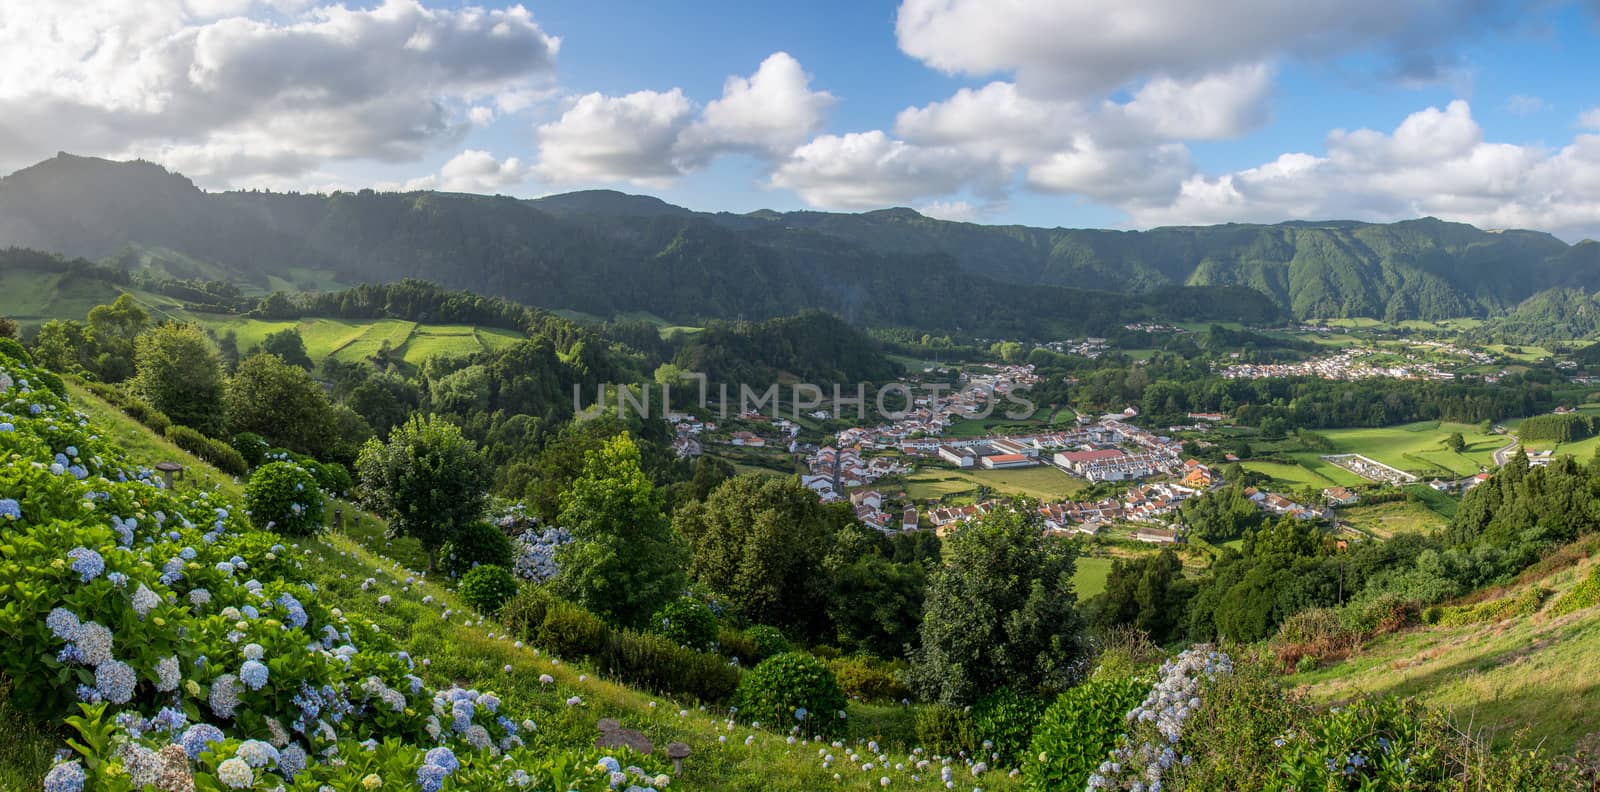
{"x":1289,"y":475}
{"x":1385,"y":520}
{"x":350,"y":340}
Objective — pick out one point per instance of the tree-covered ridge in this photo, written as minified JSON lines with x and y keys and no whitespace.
{"x":1562,"y":314}
{"x":813,"y":347}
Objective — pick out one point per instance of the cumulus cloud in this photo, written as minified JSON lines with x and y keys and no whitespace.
{"x":228,"y":97}
{"x":768,"y":113}
{"x":958,"y":211}
{"x":1094,"y":47}
{"x":865,"y":170}
{"x":616,"y":138}
{"x":1435,"y":162}
{"x":649,"y":137}
{"x":473,"y":171}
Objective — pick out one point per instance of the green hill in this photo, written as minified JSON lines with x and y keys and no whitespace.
{"x":597,"y":253}
{"x":356,"y":573}
{"x":1505,"y":673}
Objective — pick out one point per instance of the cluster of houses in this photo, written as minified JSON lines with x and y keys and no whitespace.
{"x":834,"y":471}
{"x":1273,"y":503}
{"x":1345,"y":365}
{"x":869,"y":508}
{"x":1089,"y":347}
{"x":1148,"y":504}
{"x":686,"y":433}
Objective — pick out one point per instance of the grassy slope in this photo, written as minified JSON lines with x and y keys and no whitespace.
{"x":1387,"y":519}
{"x":1526,"y":672}
{"x":352,"y":340}
{"x":1418,"y":446}
{"x":475,"y":653}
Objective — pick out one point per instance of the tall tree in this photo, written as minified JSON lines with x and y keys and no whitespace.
{"x":281,"y":403}
{"x":112,"y":330}
{"x":1000,"y":613}
{"x":179,"y":373}
{"x":626,"y":561}
{"x":759,"y":542}
{"x":61,"y":346}
{"x":428,"y":480}
{"x":287,"y":344}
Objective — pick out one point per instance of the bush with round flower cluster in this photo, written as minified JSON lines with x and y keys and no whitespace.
{"x":488,"y":587}
{"x":687,"y":621}
{"x":794,"y":691}
{"x":1155,"y":728}
{"x":283,"y":497}
{"x":535,"y":553}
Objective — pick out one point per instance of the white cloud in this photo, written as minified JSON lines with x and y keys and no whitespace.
{"x":1220,"y":105}
{"x":768,"y":113}
{"x":615,"y":138}
{"x":958,"y":211}
{"x":649,"y":137}
{"x":1436,"y":162}
{"x":1094,"y":47}
{"x":1138,"y":175}
{"x":229,"y":98}
{"x":1526,"y":104}
{"x":865,"y":170}
{"x":994,"y":120}
{"x":473,"y":171}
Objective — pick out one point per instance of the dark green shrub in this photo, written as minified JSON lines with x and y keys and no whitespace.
{"x":137,"y":409}
{"x":252,"y":447}
{"x":946,"y":731}
{"x":1003,"y":723}
{"x":869,"y":679}
{"x":1076,"y":732}
{"x":218,"y":453}
{"x":688,"y":622}
{"x":657,"y":663}
{"x":524,"y":612}
{"x":283,"y":497}
{"x":570,"y":631}
{"x":1240,"y":716}
{"x":487,"y":587}
{"x":332,"y":477}
{"x":736,"y":644}
{"x":768,"y":642}
{"x":476,"y":544}
{"x":793,"y":689}
{"x":1584,"y":595}
{"x":10,"y":348}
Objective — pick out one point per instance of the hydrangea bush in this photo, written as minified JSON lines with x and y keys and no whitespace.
{"x":687,"y":621}
{"x":187,"y":650}
{"x":283,"y":497}
{"x":794,"y":690}
{"x":1153,"y":745}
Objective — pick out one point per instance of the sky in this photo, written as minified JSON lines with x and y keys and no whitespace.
{"x":1078,"y":113}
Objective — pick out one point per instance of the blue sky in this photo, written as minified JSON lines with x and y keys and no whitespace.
{"x":1118,"y":113}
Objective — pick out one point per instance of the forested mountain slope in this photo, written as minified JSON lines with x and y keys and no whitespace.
{"x":605,"y":252}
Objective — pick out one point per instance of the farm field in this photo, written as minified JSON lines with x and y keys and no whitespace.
{"x":1417,"y":447}
{"x":1290,"y":475}
{"x":352,"y":340}
{"x":1385,"y":520}
{"x":1042,"y":482}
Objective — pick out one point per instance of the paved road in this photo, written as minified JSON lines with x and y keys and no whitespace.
{"x":1501,"y":455}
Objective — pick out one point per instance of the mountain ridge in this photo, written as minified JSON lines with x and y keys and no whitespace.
{"x":606,"y":252}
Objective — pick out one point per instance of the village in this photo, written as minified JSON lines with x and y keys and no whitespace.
{"x":1347,"y":364}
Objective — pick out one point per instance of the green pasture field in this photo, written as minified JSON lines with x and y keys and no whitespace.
{"x":1384,"y":520}
{"x":1043,"y":482}
{"x":1415,"y":447}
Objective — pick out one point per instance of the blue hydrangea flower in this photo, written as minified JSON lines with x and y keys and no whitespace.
{"x":115,"y":681}
{"x":11,"y":510}
{"x":87,"y":563}
{"x":197,"y":738}
{"x":291,"y":761}
{"x":65,"y":777}
{"x":253,"y":673}
{"x":62,"y":623}
{"x":169,"y":719}
{"x":430,"y":778}
{"x":93,"y":641}
{"x":442,"y":757}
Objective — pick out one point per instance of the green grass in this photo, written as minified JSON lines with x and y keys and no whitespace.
{"x":1090,"y":579}
{"x":1384,"y":520}
{"x":1043,"y":482}
{"x":474,"y":652}
{"x":355,"y":340}
{"x":1289,"y":475}
{"x":1504,"y":677}
{"x":1419,"y":447}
